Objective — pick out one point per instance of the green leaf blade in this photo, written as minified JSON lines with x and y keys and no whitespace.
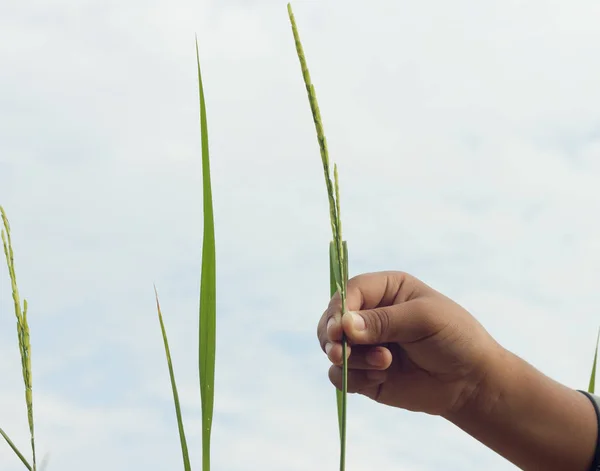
{"x":207,"y":327}
{"x":592,"y":385}
{"x":16,"y":450}
{"x":182,"y":439}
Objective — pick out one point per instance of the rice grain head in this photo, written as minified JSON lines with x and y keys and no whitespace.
{"x":23,"y":339}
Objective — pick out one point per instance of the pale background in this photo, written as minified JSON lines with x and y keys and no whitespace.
{"x":468,"y":139}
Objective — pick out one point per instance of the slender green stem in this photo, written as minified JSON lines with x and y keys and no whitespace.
{"x":339,"y":393}
{"x":344,"y":364}
{"x":343,"y":257}
{"x":338,"y":251}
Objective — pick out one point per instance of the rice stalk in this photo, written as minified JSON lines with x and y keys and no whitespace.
{"x":332,"y":290}
{"x":208,"y":308}
{"x":23,"y":338}
{"x":592,"y":386}
{"x":183,"y":441}
{"x":15,"y":449}
{"x":338,"y":251}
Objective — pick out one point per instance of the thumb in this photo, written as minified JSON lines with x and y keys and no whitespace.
{"x":400,"y":323}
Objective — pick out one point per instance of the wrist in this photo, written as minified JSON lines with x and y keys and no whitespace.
{"x":483,"y":393}
{"x":531,"y":420}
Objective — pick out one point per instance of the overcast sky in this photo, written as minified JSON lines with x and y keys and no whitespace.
{"x":467,"y":135}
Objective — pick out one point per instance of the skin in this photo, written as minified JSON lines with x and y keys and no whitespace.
{"x":412,"y":347}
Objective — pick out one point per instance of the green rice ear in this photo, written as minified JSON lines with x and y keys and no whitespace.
{"x":23,"y":338}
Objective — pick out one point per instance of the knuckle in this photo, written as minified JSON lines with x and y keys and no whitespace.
{"x":380,"y":321}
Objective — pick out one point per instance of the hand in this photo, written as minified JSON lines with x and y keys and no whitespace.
{"x":408,"y":345}
{"x":412,"y":347}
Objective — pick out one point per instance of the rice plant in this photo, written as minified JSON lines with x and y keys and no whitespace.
{"x":207,"y":314}
{"x":208,"y":290}
{"x":24,"y":344}
{"x":338,"y":252}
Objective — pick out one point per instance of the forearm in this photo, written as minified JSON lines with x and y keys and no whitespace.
{"x":530,"y":419}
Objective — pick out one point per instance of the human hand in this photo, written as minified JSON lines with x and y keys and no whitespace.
{"x":412,"y":347}
{"x":409,"y":346}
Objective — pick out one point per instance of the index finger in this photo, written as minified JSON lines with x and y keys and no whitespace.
{"x":378,"y":289}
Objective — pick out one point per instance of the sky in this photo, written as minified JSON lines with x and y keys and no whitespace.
{"x":467,"y":136}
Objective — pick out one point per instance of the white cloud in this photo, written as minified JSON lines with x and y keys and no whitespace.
{"x":467,"y":139}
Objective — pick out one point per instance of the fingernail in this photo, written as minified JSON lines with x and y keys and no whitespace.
{"x":328,"y":347}
{"x":330,"y":322}
{"x":357,"y":321}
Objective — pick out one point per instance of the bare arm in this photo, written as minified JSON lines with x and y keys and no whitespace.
{"x":530,"y":419}
{"x":433,"y":356}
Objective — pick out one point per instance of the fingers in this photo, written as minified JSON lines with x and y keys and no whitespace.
{"x":403,"y":324}
{"x":368,"y":291}
{"x":372,"y":290}
{"x":360,"y":357}
{"x":366,"y":382}
{"x":329,"y":328}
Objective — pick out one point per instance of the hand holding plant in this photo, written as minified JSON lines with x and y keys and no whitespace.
{"x":411,"y":347}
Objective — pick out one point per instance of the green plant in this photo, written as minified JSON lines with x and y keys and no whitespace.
{"x":333,"y":288}
{"x":338,"y":267}
{"x":24,"y":343}
{"x":592,"y":385}
{"x":208,"y":308}
{"x":338,"y":251}
{"x":184,"y":447}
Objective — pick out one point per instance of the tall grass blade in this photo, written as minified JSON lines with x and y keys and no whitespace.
{"x":338,"y":252}
{"x":184,"y":447}
{"x":592,"y":386}
{"x":16,"y":450}
{"x":208,"y":307}
{"x":22,"y":330}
